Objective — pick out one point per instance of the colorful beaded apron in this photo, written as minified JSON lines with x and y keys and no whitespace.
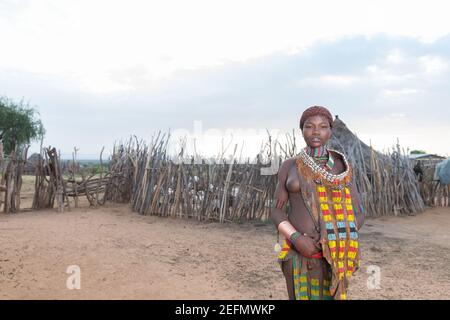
{"x":328,"y":201}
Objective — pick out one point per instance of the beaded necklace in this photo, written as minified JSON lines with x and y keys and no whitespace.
{"x":321,"y":156}
{"x":320,"y":171}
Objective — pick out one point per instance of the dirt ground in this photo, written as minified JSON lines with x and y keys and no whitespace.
{"x":123,"y":255}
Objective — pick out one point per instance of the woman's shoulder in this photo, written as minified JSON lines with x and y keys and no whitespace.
{"x":289,"y":162}
{"x":286,"y":165}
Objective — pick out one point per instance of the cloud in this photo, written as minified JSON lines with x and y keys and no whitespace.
{"x":434,"y":64}
{"x":88,"y":38}
{"x":395,"y":57}
{"x":329,"y":80}
{"x":368,"y":81}
{"x":400,"y":93}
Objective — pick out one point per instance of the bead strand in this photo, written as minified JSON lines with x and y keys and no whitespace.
{"x":309,"y":161}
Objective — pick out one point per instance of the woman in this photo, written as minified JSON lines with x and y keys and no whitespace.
{"x":320,"y":251}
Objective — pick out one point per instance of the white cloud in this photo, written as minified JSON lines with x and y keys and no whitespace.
{"x":338,"y":80}
{"x":395,"y":57}
{"x":156,"y":64}
{"x":328,"y":80}
{"x":397,"y":115}
{"x":383,"y":75}
{"x":90,"y":38}
{"x":399,"y":93}
{"x":433,"y":64}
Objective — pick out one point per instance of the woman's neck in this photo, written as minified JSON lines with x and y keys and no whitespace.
{"x":321,"y":156}
{"x":318,"y":152}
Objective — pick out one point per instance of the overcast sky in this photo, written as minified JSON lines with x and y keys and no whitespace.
{"x":99,"y":71}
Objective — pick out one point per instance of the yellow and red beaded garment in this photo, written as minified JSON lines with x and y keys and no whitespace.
{"x":328,"y":199}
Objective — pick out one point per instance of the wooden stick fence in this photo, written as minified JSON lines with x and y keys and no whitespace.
{"x":204,"y":191}
{"x":2,"y":176}
{"x":11,"y":181}
{"x":49,"y":182}
{"x":154,"y":183}
{"x":230,"y":192}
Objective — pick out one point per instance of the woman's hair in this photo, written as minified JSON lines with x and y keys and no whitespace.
{"x":316,"y":111}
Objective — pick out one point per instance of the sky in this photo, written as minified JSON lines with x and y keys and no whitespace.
{"x":225,"y":72}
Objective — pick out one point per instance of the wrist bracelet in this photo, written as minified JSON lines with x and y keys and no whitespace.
{"x":294,"y":237}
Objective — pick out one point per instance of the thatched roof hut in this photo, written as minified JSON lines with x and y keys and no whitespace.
{"x":346,"y":141}
{"x":386,"y":182}
{"x":426,"y":157}
{"x":31,"y":164}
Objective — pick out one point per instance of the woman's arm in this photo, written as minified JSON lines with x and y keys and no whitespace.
{"x":278,"y":214}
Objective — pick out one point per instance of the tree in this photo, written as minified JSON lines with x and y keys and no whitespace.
{"x":19,"y":124}
{"x":417,"y":152}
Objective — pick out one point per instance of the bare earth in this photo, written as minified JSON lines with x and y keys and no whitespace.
{"x":123,"y":255}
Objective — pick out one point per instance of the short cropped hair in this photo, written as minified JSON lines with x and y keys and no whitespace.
{"x":316,"y":111}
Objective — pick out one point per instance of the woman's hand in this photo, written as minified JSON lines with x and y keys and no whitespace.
{"x":307,"y":245}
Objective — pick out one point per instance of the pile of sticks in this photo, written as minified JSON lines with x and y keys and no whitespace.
{"x":49,"y":182}
{"x":11,"y":178}
{"x":82,"y":183}
{"x":51,"y":185}
{"x":122,"y":171}
{"x":91,"y":188}
{"x":391,"y":187}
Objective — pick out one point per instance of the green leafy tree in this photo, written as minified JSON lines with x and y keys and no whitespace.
{"x":417,"y":152}
{"x":19,"y":124}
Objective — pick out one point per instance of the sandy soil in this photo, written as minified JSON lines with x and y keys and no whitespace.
{"x":123,"y":255}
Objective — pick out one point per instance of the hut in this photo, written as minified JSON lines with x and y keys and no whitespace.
{"x":386,"y":182}
{"x":434,"y":190}
{"x":425,"y":157}
{"x":31,"y":164}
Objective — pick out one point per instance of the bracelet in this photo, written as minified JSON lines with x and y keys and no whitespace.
{"x":294,"y":237}
{"x":286,"y":229}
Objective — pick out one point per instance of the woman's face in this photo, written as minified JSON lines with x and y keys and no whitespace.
{"x":316,"y":131}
